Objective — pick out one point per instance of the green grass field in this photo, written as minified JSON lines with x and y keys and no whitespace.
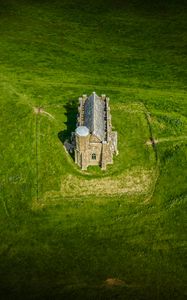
{"x":114,"y":234}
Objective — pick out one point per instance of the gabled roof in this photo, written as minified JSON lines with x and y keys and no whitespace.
{"x":94,"y":115}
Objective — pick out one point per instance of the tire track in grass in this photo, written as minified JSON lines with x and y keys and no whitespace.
{"x":37,"y":132}
{"x":181,"y":138}
{"x":154,"y":146}
{"x":5,"y":207}
{"x":152,"y":140}
{"x":38,"y":111}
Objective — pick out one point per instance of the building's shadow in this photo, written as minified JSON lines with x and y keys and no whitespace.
{"x":71,"y":114}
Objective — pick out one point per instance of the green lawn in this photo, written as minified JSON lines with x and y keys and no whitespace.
{"x":114,"y":234}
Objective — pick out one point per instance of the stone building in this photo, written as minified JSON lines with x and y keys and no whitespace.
{"x":94,"y":141}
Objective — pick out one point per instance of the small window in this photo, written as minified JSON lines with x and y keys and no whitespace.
{"x":94,"y":156}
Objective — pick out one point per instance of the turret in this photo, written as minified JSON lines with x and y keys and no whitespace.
{"x":82,"y":144}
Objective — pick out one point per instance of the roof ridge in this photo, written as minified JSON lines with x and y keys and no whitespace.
{"x":94,"y":111}
{"x":94,"y":115}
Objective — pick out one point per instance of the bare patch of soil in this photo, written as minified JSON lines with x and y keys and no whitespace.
{"x":152,"y":142}
{"x":40,"y":110}
{"x":114,"y":282}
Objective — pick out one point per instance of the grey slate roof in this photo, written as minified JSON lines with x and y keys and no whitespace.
{"x":94,"y":115}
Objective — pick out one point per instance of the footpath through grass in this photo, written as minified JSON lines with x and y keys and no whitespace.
{"x":68,"y":234}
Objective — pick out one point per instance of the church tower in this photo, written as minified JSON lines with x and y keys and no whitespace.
{"x":82,"y":144}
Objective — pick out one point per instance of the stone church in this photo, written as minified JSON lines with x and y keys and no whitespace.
{"x":94,"y":141}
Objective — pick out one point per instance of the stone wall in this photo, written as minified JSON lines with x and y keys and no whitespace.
{"x":92,"y":154}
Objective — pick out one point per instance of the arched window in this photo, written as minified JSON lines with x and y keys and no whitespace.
{"x":94,"y":156}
